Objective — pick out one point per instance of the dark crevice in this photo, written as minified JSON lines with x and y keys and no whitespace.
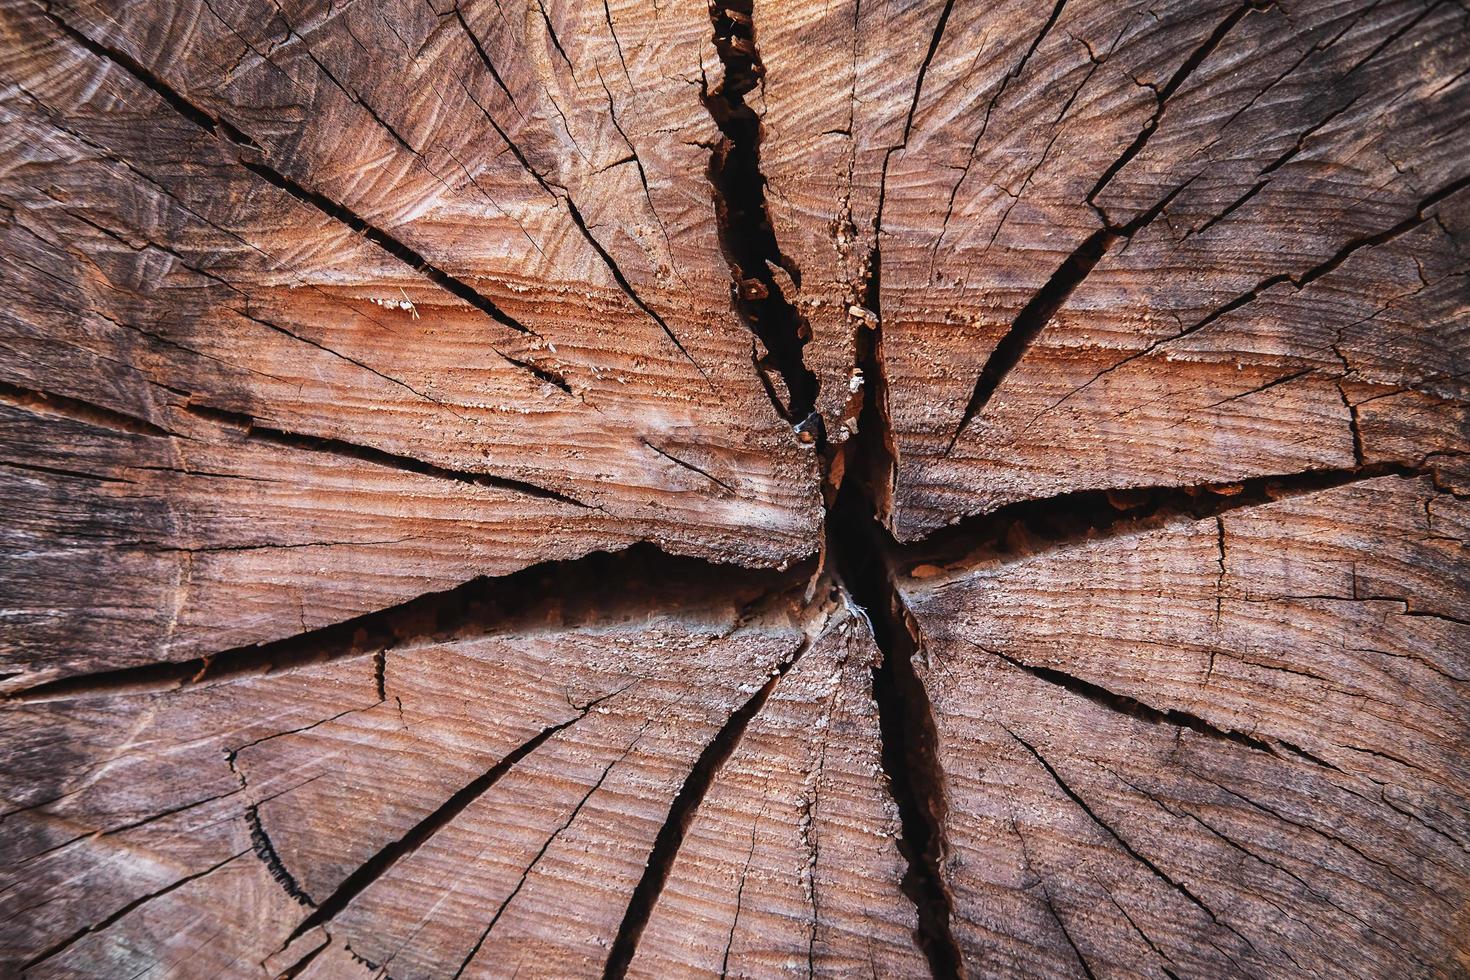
{"x":681,"y":813}
{"x":296,"y":969}
{"x":692,"y":468}
{"x":1162,"y":95}
{"x":1028,"y":324}
{"x":391,"y":853}
{"x":594,"y":588}
{"x":560,"y":193}
{"x":1066,"y":933}
{"x":388,"y":243}
{"x":271,"y":325}
{"x":910,"y":739}
{"x":908,"y":123}
{"x":1231,"y":208}
{"x":266,"y":851}
{"x":624,"y":284}
{"x":541,"y":374}
{"x":380,"y":674}
{"x":1010,"y":76}
{"x":377,"y":457}
{"x":934,"y":39}
{"x":1300,"y":752}
{"x":744,"y":220}
{"x":1414,"y":220}
{"x":1036,"y":526}
{"x":859,"y":549}
{"x":530,"y":867}
{"x":1122,"y":842}
{"x":62,"y":471}
{"x":1421,"y":214}
{"x":78,"y":410}
{"x":555,"y":41}
{"x":1038,"y":312}
{"x":484,"y":55}
{"x":114,"y":830}
{"x":1354,"y":425}
{"x":204,"y":120}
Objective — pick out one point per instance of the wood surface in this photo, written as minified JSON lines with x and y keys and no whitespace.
{"x":562,"y":488}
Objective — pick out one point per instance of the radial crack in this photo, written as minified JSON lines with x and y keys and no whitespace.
{"x":217,"y":126}
{"x":744,"y":220}
{"x":64,"y":944}
{"x":602,"y":580}
{"x":859,"y":550}
{"x":1143,"y":711}
{"x":78,"y":410}
{"x":681,"y":812}
{"x":1032,"y":527}
{"x":1044,"y":304}
{"x":379,"y":457}
{"x":415,"y":837}
{"x":1122,"y":842}
{"x":1299,"y":281}
{"x":1196,"y":58}
{"x":545,"y":846}
{"x":692,"y":468}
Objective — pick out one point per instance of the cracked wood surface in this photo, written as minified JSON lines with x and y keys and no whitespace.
{"x":751,"y":489}
{"x":1220,"y":745}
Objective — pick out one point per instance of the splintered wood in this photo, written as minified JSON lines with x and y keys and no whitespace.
{"x":743,"y":488}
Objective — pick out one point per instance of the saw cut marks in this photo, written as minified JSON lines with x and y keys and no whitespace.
{"x":1160,"y":739}
{"x":226,"y":274}
{"x":790,"y":862}
{"x":759,"y":489}
{"x":1077,"y":206}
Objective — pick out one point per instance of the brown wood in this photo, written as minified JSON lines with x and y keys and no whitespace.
{"x":750,"y":489}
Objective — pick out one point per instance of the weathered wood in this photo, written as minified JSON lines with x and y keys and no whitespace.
{"x":827,"y":894}
{"x":1236,"y":743}
{"x":752,"y":488}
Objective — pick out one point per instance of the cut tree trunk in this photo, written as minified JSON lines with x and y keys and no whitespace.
{"x":556,"y":488}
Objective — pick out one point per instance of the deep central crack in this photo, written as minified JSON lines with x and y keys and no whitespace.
{"x":859,"y":549}
{"x":857,"y":477}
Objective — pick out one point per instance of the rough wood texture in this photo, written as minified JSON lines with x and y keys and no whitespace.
{"x":755,"y":489}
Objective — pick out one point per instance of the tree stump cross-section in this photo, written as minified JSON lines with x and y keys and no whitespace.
{"x":746,"y":488}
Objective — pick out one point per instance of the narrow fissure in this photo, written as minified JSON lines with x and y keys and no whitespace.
{"x":1037,"y":313}
{"x":1162,"y":95}
{"x":64,"y":944}
{"x":379,"y":457}
{"x":1132,"y":707}
{"x":265,"y":849}
{"x":859,"y":552}
{"x":761,"y":272}
{"x":526,"y":874}
{"x":415,"y":837}
{"x":1028,"y":324}
{"x":219,"y":127}
{"x":676,"y":824}
{"x":1035,"y":526}
{"x":1044,"y":304}
{"x":858,"y":477}
{"x":36,"y":401}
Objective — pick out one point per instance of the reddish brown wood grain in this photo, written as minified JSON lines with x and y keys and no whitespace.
{"x":555,"y":488}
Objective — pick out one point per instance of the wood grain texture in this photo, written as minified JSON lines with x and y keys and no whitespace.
{"x":750,"y":488}
{"x":1212,"y":745}
{"x":264,"y":290}
{"x":790,"y":863}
